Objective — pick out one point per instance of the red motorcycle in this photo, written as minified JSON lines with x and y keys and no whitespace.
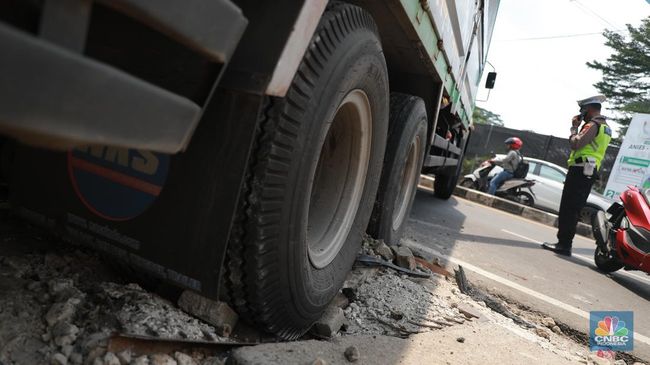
{"x":623,"y":240}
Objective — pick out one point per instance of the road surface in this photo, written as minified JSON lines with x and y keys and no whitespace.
{"x":501,"y":251}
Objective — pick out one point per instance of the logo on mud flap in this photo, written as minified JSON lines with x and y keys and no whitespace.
{"x":117,"y":183}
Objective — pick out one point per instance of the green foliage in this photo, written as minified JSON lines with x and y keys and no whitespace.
{"x":471,"y":163}
{"x":483,"y":116}
{"x":626,"y":73}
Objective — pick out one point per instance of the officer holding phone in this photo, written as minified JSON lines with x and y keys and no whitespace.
{"x":588,"y":146}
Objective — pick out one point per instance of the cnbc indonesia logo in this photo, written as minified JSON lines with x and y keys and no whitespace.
{"x":611,"y":330}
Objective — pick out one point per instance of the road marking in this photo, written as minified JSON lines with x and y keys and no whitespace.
{"x":510,"y":215}
{"x":543,"y":297}
{"x":583,"y":258}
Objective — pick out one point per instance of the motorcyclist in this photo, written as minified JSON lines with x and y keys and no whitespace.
{"x":509,"y":164}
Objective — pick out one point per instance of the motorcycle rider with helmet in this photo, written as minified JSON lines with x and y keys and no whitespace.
{"x":509,"y":164}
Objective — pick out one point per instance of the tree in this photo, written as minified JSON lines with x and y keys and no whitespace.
{"x":483,"y":116}
{"x":626,"y":73}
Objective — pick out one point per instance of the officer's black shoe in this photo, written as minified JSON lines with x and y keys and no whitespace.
{"x":557,"y":248}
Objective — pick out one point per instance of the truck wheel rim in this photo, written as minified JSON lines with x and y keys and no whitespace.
{"x":407,"y":186}
{"x":339,"y":179}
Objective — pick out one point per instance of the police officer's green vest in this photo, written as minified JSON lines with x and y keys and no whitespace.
{"x":595,"y":148}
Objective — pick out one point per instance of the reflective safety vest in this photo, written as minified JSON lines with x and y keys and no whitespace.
{"x":595,"y":149}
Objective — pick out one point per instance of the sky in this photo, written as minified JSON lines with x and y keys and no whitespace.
{"x":538,"y":81}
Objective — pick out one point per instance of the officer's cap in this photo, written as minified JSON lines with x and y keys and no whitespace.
{"x":598,"y":99}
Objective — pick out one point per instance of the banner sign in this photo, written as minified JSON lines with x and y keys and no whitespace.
{"x":633,"y":160}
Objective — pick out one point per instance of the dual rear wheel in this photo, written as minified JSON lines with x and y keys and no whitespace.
{"x":337,"y":151}
{"x":313,"y":179}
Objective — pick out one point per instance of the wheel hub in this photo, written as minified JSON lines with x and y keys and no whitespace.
{"x":339,"y":179}
{"x":407,"y":185}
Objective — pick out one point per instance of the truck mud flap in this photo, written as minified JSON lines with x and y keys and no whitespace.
{"x":167,"y":215}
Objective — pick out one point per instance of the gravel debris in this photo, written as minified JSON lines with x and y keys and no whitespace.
{"x":543,"y":332}
{"x":58,"y":359}
{"x":125,"y":357}
{"x":183,"y":359}
{"x":387,"y":304}
{"x":141,"y":360}
{"x":162,"y":359}
{"x":352,"y":354}
{"x":61,"y":308}
{"x":111,"y":359}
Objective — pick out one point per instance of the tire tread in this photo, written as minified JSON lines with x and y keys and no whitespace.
{"x":250,"y":280}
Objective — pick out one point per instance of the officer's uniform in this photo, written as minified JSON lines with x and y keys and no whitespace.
{"x":588,"y":147}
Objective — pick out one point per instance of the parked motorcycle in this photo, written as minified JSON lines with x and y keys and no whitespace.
{"x":517,"y":190}
{"x":623,"y":240}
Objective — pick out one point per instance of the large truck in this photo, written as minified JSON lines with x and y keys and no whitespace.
{"x":240,"y":149}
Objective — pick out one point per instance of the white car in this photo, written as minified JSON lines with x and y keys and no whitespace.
{"x":549,"y":182}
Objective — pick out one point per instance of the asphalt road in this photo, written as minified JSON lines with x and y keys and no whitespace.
{"x":500,"y":251}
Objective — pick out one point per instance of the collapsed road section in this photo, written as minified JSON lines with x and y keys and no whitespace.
{"x":62,"y":304}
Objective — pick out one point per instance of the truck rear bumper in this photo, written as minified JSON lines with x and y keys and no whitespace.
{"x":57,"y":98}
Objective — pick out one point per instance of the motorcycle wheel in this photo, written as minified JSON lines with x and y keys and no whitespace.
{"x":524,"y":198}
{"x":605,"y":261}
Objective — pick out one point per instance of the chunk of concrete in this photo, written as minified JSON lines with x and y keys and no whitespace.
{"x":184,"y":359}
{"x":161,"y":359}
{"x":341,"y":300}
{"x":216,"y":313}
{"x":384,"y":251}
{"x":111,"y":359}
{"x":404,"y":258}
{"x":330,"y":323}
{"x":60,"y":312}
{"x":548,"y":322}
{"x":543,"y":332}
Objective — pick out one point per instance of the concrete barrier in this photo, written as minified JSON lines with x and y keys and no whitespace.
{"x":509,"y":206}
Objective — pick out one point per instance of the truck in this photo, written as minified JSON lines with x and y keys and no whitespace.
{"x":239,"y":149}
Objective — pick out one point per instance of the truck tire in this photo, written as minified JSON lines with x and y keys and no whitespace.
{"x":313,"y":179}
{"x":407,"y":137}
{"x":445,"y":183}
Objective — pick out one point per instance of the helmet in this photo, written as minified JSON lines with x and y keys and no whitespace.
{"x":514,"y":142}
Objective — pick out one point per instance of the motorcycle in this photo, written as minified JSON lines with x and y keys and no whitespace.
{"x":517,"y":190}
{"x":623,"y":239}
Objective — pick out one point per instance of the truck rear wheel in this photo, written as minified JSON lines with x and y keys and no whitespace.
{"x":407,"y":137}
{"x":445,"y":183}
{"x":313,"y":179}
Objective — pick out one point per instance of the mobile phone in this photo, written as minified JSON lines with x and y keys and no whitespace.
{"x":582,"y":115}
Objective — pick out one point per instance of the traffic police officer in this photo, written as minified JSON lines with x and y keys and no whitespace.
{"x":588,"y":146}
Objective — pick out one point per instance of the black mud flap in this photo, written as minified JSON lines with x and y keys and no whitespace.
{"x":168,"y":215}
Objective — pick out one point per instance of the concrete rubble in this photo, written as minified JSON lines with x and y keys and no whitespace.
{"x":218,"y":314}
{"x":61,"y":305}
{"x":330,"y":323}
